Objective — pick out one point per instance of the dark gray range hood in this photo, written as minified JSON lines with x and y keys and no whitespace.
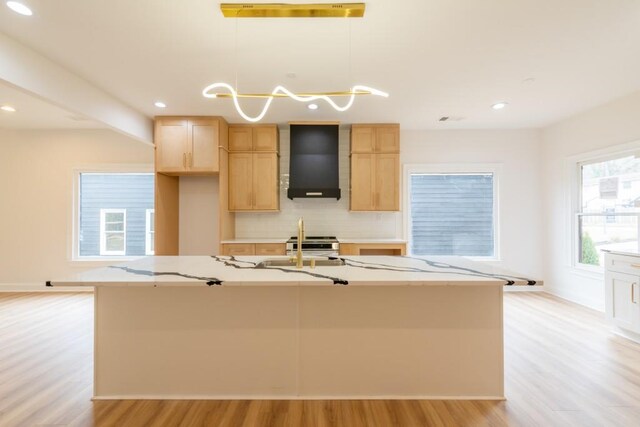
{"x":313,"y":164}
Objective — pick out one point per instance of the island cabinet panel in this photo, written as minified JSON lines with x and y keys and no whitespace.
{"x":622,"y":286}
{"x":254,"y":183}
{"x":375,"y":168}
{"x":240,"y":181}
{"x":187,"y":145}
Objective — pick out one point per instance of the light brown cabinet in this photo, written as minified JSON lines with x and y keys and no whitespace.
{"x":263,"y":249}
{"x":375,"y":168}
{"x":375,"y":138}
{"x":253,"y":138}
{"x":187,"y":145}
{"x":395,"y":249}
{"x":253,"y":168}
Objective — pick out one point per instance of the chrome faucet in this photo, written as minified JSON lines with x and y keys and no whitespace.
{"x":300,"y":239}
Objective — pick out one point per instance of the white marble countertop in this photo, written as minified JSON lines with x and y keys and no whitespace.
{"x":340,"y":239}
{"x":627,"y":253}
{"x":244,"y":271}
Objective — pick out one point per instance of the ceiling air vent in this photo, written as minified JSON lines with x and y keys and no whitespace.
{"x":450,"y":119}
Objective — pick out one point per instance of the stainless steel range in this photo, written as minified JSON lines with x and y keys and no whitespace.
{"x":314,"y":246}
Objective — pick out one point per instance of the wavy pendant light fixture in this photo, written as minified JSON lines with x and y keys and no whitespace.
{"x":258,"y":10}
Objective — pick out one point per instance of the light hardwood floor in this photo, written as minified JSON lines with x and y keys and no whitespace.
{"x":563,"y":368}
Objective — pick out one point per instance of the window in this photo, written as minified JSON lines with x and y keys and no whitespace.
{"x":113,"y":235}
{"x":113,"y":214}
{"x":608,"y":207}
{"x":452,"y":213}
{"x":150,"y":232}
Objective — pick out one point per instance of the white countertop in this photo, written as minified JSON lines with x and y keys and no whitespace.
{"x":244,"y":271}
{"x":627,"y":253}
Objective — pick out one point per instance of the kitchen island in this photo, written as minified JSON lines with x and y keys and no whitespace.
{"x":218,"y":327}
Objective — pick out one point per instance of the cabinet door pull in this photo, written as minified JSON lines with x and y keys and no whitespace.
{"x":635,"y":265}
{"x":250,"y":199}
{"x":191,"y":159}
{"x":633,"y":297}
{"x":184,"y":160}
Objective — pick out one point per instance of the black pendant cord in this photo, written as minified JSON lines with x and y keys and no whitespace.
{"x":208,"y":280}
{"x":253,"y":266}
{"x":469,"y":273}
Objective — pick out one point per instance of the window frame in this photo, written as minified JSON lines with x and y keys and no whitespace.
{"x":73,"y":243}
{"x":148,"y":250}
{"x":104,"y":231}
{"x":456,"y":168}
{"x":575,"y":164}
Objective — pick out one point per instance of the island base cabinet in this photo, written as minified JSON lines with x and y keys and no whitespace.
{"x":298,"y":342}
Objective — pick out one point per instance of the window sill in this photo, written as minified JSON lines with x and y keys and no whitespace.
{"x":590,"y":273}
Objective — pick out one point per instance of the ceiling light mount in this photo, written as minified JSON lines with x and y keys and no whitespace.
{"x":20,"y":8}
{"x":292,"y":10}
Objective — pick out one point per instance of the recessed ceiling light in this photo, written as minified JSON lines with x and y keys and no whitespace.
{"x":312,"y":106}
{"x":19,"y":8}
{"x":499,"y":105}
{"x":8,"y":108}
{"x":160,"y":104}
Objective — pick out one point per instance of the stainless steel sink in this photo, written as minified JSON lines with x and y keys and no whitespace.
{"x":320,"y":262}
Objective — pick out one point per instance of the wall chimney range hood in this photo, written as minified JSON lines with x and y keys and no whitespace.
{"x":313,"y":164}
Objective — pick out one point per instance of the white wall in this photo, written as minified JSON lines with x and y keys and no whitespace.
{"x":199,"y":215}
{"x":609,"y":125}
{"x":517,"y":151}
{"x":36,"y":196}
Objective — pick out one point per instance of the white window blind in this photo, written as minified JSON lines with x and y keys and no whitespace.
{"x":452,"y":214}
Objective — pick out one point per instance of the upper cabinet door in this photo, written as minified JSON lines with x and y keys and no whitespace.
{"x":362,"y":186}
{"x":265,"y":138}
{"x":203,"y":155}
{"x":387,"y":182}
{"x":387,"y":139}
{"x":240,"y":181}
{"x":265,"y":182}
{"x":172,"y":141}
{"x":362,"y":139}
{"x":240,"y":138}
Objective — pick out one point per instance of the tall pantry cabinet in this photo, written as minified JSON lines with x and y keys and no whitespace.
{"x":187,"y":146}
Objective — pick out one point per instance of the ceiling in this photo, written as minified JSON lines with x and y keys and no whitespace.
{"x":34,"y":113}
{"x":549,"y":59}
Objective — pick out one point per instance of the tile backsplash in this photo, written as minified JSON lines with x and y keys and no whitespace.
{"x":321,"y":216}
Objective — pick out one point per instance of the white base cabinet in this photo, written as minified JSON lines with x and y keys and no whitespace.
{"x":622,"y":285}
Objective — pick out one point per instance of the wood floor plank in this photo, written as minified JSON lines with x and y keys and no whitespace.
{"x":563,"y":367}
